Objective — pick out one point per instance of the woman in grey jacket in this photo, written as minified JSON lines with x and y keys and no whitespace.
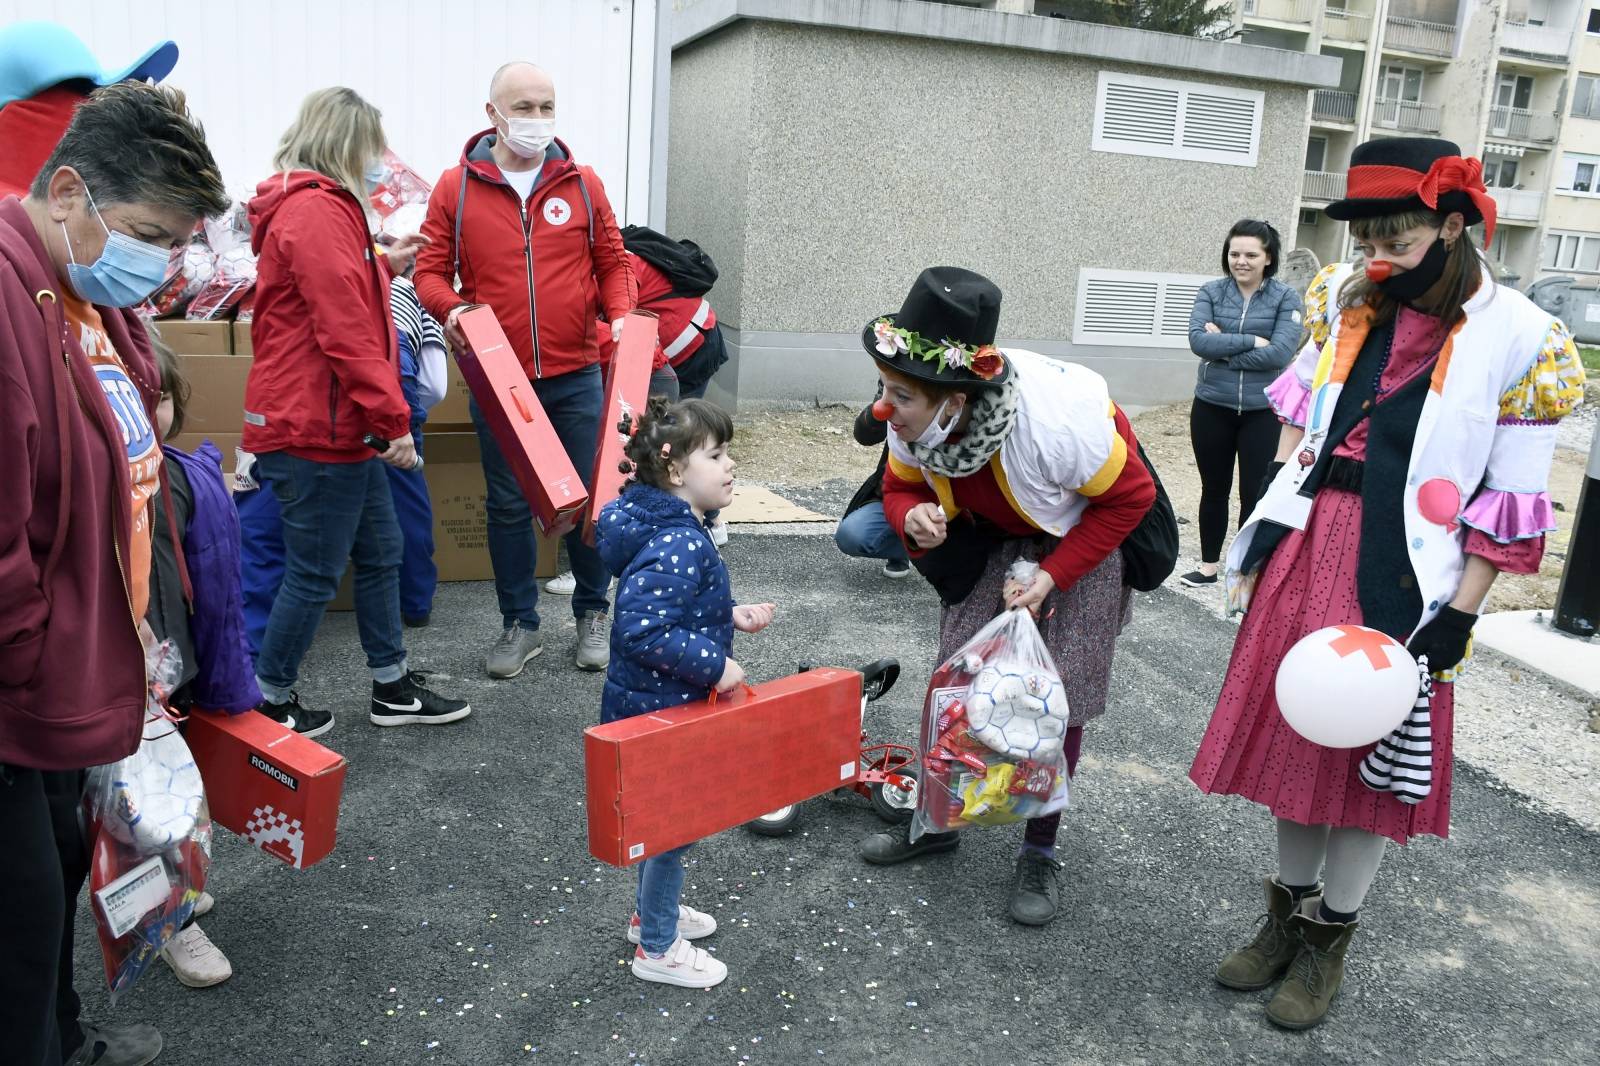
{"x":1245,"y":327}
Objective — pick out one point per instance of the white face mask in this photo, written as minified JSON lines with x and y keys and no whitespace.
{"x":936,"y":434}
{"x":528,"y":137}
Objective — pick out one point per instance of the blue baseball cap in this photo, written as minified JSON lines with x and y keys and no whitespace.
{"x":37,"y":55}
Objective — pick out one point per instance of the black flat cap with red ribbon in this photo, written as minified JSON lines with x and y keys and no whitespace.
{"x":1393,"y":175}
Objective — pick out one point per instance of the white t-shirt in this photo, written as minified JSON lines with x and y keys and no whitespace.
{"x":522,"y":180}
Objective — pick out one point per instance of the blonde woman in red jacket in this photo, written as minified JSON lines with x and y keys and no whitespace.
{"x":326,"y":377}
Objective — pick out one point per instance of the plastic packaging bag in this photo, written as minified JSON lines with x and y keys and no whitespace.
{"x":151,"y":829}
{"x":195,"y":270}
{"x":235,"y":273}
{"x":400,"y":185}
{"x":993,"y":728}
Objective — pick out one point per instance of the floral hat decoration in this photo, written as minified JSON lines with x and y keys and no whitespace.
{"x":944,"y":332}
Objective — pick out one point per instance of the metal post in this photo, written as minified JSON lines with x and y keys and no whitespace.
{"x":1578,"y":598}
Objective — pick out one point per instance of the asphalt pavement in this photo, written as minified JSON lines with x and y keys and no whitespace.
{"x":460,"y":920}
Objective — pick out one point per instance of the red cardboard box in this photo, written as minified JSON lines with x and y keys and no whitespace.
{"x":627,"y":390}
{"x":520,"y":426}
{"x":662,"y":780}
{"x":267,"y":783}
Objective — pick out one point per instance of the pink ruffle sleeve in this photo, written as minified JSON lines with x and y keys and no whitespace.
{"x":1290,"y":399}
{"x":1508,"y":528}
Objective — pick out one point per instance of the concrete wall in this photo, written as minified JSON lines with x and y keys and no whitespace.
{"x":823,"y":167}
{"x":1463,"y":86}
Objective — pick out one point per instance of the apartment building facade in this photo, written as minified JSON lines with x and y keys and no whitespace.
{"x":1498,"y":77}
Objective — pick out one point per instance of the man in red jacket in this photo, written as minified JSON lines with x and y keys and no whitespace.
{"x":521,"y":227}
{"x":125,"y":186}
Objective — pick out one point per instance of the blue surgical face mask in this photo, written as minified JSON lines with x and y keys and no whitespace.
{"x":127,"y":272}
{"x":374,"y":176}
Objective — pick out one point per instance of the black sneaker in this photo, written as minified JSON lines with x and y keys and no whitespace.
{"x":407,"y":702}
{"x":897,"y":568}
{"x":894,"y":845}
{"x":417,"y":621}
{"x":1195,"y":579}
{"x":294,"y":715}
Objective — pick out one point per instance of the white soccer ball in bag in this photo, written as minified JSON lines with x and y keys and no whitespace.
{"x":1017,"y":711}
{"x":1346,"y":686}
{"x":155,"y":796}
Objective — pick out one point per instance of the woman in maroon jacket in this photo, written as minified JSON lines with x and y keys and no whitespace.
{"x":123,"y":188}
{"x":325,"y":379}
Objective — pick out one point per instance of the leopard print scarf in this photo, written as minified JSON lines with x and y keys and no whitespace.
{"x":993,"y":412}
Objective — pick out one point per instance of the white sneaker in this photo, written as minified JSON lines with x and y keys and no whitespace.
{"x":683,"y":965}
{"x":719,"y":532}
{"x":195,"y":960}
{"x":562,"y":584}
{"x":203,"y":905}
{"x":692,"y":925}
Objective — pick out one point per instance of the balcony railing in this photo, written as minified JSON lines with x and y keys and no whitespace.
{"x":1518,"y":204}
{"x":1520,"y":125}
{"x":1279,"y":10}
{"x":1406,"y":115}
{"x":1321,"y":185}
{"x":1541,"y":42}
{"x":1414,"y":35}
{"x":1330,"y":105}
{"x":1341,"y":25}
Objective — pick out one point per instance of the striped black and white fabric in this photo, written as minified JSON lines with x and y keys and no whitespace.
{"x":1402,"y":762}
{"x":410,"y":318}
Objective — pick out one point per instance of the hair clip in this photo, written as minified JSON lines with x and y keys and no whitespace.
{"x":666,"y":450}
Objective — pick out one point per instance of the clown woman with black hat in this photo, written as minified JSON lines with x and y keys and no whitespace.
{"x":1419,"y":424}
{"x":995,"y":455}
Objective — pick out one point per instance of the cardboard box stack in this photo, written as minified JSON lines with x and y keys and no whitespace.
{"x":216,"y":358}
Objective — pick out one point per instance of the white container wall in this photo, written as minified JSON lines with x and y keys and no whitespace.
{"x":426,"y":64}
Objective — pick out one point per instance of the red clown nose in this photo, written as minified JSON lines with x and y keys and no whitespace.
{"x":1379,"y":270}
{"x":882,"y":410}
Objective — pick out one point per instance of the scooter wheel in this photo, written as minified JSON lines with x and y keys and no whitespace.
{"x":775,"y":823}
{"x":895,"y":804}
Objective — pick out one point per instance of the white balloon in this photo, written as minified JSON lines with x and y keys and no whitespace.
{"x":1346,"y":686}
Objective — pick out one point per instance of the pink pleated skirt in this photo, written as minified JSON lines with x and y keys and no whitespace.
{"x":1250,"y":751}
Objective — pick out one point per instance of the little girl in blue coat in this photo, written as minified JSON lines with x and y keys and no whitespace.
{"x":671,"y":635}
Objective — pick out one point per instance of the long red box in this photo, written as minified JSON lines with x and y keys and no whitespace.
{"x":627,"y":391}
{"x":267,"y":783}
{"x":527,"y":439}
{"x":662,"y":780}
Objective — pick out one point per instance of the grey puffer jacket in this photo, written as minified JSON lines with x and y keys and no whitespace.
{"x":1234,"y":372}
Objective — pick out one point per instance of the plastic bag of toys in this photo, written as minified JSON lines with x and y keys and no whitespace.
{"x":151,"y":830}
{"x":400,"y":185}
{"x":993,"y":728}
{"x":196,"y":265}
{"x":235,"y":273}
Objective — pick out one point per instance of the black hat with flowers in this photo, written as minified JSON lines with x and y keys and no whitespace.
{"x":943,"y":332}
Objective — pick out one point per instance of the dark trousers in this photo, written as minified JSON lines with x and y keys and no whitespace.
{"x":413,"y":509}
{"x":572,"y":402}
{"x":47,"y":863}
{"x":1221,"y":436}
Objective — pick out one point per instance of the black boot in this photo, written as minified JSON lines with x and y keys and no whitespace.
{"x":894,"y":845}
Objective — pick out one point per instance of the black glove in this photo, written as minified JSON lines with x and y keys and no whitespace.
{"x":1266,"y":482}
{"x":1444,"y":640}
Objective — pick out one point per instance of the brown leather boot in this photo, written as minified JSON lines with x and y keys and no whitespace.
{"x":1315,"y":975}
{"x":1265,"y":958}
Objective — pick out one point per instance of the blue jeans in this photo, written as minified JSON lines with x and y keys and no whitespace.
{"x":695,"y":373}
{"x":332,"y":513}
{"x":660,"y":887}
{"x":572,"y":403}
{"x":866,"y":534}
{"x":419,"y":577}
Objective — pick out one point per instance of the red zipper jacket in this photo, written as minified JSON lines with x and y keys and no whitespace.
{"x":72,"y":678}
{"x":327,"y":364}
{"x":682,"y":321}
{"x":531,"y":261}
